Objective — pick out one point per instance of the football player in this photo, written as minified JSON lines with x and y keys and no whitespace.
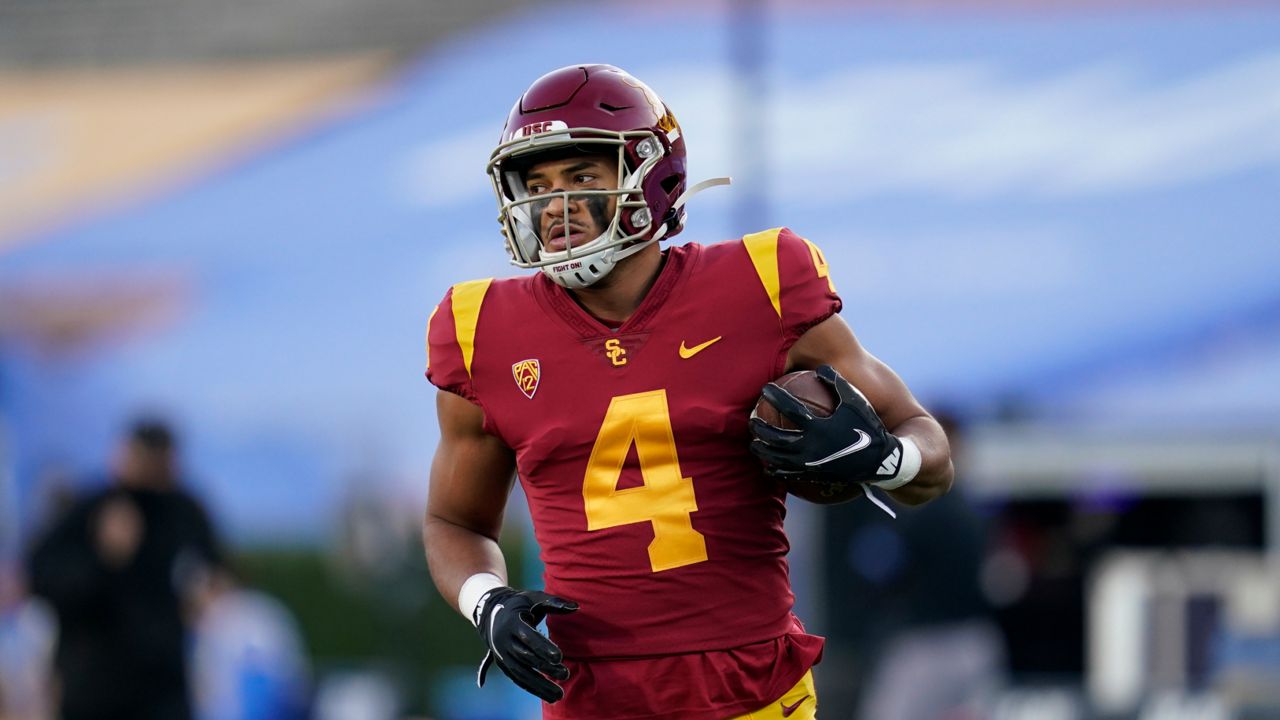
{"x":617,"y":383}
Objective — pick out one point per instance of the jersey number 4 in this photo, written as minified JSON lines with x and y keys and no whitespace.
{"x":665,"y":499}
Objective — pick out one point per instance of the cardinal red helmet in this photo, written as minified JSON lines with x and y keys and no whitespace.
{"x":591,"y":109}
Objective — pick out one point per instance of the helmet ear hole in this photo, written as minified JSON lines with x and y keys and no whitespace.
{"x":670,"y":183}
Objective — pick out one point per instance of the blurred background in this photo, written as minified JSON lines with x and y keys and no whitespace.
{"x":1058,"y":221}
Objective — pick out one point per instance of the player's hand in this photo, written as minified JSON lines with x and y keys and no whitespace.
{"x":507,"y":619}
{"x":850,"y":444}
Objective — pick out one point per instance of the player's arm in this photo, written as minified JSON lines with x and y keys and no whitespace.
{"x":471,"y":477}
{"x":832,"y":342}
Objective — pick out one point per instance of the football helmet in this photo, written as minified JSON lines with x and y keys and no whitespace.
{"x":580,"y":110}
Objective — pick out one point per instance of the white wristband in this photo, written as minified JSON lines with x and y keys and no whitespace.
{"x":908,"y":466}
{"x":473,"y":589}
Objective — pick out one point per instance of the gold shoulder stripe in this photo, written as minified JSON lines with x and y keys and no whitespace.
{"x":467,"y":297}
{"x":763,"y":249}
{"x":434,"y":310}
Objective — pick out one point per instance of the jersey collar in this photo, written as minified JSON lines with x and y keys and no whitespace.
{"x":558,"y":303}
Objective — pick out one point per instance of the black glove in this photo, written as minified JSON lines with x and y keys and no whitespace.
{"x":849,"y":445}
{"x":506,"y":619}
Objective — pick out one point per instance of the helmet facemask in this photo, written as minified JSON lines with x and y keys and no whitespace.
{"x":628,"y":229}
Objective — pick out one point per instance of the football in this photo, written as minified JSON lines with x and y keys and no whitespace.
{"x":808,"y":389}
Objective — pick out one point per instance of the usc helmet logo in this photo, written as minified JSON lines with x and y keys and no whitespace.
{"x":667,"y":123}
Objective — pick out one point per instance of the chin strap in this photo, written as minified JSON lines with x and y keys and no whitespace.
{"x":633,"y":249}
{"x":685,"y":197}
{"x":708,"y":183}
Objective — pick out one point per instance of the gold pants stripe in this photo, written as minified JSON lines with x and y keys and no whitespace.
{"x":799,"y":703}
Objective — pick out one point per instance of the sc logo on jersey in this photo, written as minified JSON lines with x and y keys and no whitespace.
{"x":615,"y":352}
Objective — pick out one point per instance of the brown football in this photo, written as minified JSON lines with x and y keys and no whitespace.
{"x":808,"y":389}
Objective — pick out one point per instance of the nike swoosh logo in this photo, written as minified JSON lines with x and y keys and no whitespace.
{"x":688,"y":352}
{"x":788,"y":709}
{"x":861,"y":443}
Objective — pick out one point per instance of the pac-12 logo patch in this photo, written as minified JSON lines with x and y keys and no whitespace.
{"x":527,"y":374}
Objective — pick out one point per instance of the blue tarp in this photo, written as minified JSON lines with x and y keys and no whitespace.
{"x":1015,"y":206}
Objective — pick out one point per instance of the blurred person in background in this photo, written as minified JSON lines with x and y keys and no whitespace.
{"x":668,"y":594}
{"x":914,"y":606}
{"x":117,"y":568}
{"x":27,"y":635}
{"x":248,"y":658}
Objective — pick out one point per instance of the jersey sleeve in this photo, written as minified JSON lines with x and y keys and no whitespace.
{"x":451,"y":332}
{"x":794,"y":274}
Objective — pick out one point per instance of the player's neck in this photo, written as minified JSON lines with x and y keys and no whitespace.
{"x":617,"y":295}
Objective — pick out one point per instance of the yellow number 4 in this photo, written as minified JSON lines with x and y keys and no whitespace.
{"x":665,"y":499}
{"x":820,"y":264}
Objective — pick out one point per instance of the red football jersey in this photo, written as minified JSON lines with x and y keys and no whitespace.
{"x":631,"y":443}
